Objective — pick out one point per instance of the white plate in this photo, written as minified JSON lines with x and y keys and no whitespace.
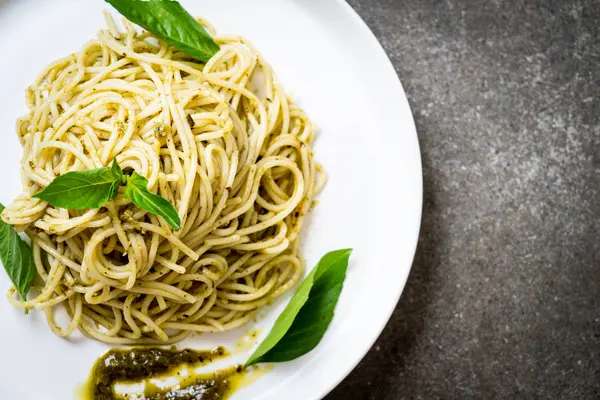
{"x":327,"y":57}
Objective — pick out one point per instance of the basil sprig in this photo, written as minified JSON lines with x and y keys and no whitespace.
{"x":168,"y":20}
{"x":17,"y":258}
{"x":81,"y":190}
{"x":302,"y":324}
{"x":84,"y":189}
{"x":137,"y":191}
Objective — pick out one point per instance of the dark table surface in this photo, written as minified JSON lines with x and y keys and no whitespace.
{"x":503,"y":301}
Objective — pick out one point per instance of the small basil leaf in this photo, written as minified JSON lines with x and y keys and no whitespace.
{"x":80,"y":190}
{"x":168,"y":20}
{"x":17,"y":258}
{"x":116,"y":171}
{"x":137,"y":191}
{"x":302,"y":324}
{"x":120,"y":179}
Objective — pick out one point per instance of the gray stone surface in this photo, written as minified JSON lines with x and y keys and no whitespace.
{"x":503,"y":300}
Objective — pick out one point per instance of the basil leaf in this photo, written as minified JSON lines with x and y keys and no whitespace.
{"x":17,"y":258}
{"x":302,"y":324}
{"x":137,"y":191}
{"x":116,"y":171}
{"x":168,"y":20}
{"x":80,"y":190}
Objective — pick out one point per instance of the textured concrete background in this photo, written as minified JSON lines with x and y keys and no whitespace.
{"x":503,"y":300}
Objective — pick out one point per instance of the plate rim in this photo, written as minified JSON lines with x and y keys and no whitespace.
{"x":391,"y":307}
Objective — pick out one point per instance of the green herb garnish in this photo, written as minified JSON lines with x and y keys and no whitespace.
{"x":80,"y":190}
{"x":168,"y":20}
{"x":17,"y":258}
{"x":137,"y":191}
{"x":302,"y":324}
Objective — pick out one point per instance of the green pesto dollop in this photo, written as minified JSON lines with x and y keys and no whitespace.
{"x":140,"y":364}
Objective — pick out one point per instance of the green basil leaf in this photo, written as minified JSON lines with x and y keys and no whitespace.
{"x":116,"y":171}
{"x":137,"y":191}
{"x":80,"y":190}
{"x":168,"y":20}
{"x":302,"y":324}
{"x":17,"y":258}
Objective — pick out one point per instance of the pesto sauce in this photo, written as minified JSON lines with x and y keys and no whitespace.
{"x":139,"y":364}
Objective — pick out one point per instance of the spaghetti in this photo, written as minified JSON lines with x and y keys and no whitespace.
{"x":220,"y":140}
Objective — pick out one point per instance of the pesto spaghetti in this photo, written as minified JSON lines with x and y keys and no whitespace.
{"x":219,"y":140}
